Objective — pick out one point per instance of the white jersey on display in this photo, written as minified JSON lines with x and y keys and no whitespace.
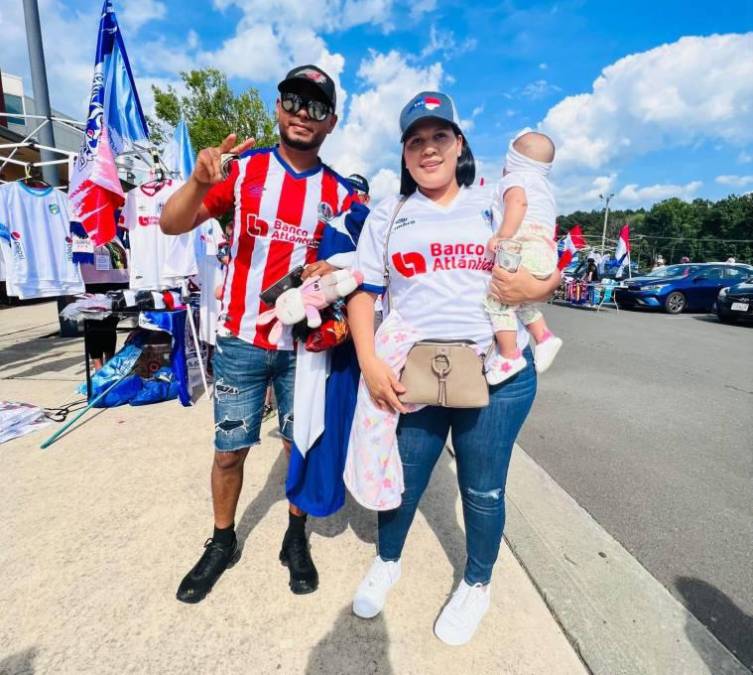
{"x":36,"y":243}
{"x":439,"y":269}
{"x":211,"y":273}
{"x":157,"y":261}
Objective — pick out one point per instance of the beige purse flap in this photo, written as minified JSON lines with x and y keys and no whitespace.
{"x":444,"y":373}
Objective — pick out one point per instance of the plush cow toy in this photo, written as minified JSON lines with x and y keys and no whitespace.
{"x":305,"y":301}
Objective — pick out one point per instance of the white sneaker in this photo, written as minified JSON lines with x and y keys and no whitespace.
{"x":544,"y":353}
{"x":372,"y":593}
{"x":463,"y":613}
{"x":499,"y":368}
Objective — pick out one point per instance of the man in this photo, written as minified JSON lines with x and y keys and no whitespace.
{"x":284,"y":199}
{"x":361,"y":187}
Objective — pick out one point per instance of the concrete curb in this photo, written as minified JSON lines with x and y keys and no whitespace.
{"x":617,"y":616}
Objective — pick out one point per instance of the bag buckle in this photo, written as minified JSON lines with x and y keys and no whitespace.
{"x":441,"y":365}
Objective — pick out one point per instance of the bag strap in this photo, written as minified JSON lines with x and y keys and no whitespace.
{"x":385,"y":261}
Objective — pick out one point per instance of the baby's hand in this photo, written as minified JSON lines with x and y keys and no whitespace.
{"x":493,"y":243}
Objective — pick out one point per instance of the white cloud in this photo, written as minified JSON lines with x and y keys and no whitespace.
{"x":70,"y":40}
{"x":444,"y":42}
{"x":254,"y":52}
{"x":136,"y":13}
{"x":318,"y":15}
{"x":581,"y":192}
{"x":192,"y":39}
{"x":735,"y":181}
{"x":385,"y":183}
{"x":543,"y":66}
{"x":367,"y":141}
{"x":745,"y":157}
{"x":694,"y":89}
{"x":539,"y":89}
{"x":633,"y":195}
{"x":421,"y":7}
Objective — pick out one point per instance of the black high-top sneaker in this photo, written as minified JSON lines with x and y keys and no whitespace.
{"x":296,"y":557}
{"x":215,"y":560}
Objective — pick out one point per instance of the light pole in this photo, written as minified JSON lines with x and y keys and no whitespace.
{"x":39,"y":86}
{"x":606,"y":217}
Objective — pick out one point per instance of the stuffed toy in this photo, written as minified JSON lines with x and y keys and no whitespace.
{"x":306,"y":301}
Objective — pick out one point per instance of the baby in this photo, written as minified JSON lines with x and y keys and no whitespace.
{"x":525,"y":210}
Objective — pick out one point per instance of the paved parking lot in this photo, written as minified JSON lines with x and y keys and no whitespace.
{"x":647,"y":421}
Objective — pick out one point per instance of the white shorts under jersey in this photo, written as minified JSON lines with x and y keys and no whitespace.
{"x":157,"y":261}
{"x":36,"y":243}
{"x":439,"y":269}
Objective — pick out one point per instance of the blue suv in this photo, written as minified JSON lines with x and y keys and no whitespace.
{"x":676,"y":288}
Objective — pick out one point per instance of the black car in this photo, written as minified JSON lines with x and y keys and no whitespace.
{"x":736,"y":302}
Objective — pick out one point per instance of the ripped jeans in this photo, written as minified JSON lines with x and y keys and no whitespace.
{"x":242,"y":374}
{"x":483,"y":439}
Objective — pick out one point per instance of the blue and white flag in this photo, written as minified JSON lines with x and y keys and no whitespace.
{"x":125,"y":118}
{"x":114,"y":121}
{"x":179,"y":157}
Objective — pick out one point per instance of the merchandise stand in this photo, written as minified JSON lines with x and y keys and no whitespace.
{"x":126,"y":313}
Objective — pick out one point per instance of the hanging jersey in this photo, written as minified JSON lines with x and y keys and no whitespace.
{"x":157,"y":260}
{"x":208,"y":239}
{"x":439,"y":268}
{"x":36,"y":244}
{"x":280,"y":218}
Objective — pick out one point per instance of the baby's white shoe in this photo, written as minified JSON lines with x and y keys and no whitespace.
{"x":544,"y":353}
{"x":462,"y":615}
{"x":499,"y":368}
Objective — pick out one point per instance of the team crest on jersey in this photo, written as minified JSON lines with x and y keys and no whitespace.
{"x":54,"y":209}
{"x":325,"y":212}
{"x":488,"y":216}
{"x":256,"y":190}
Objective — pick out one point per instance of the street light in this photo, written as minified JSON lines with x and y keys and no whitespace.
{"x":606,"y":217}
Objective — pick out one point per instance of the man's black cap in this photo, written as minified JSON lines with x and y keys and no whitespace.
{"x":311,"y":81}
{"x":359,"y":182}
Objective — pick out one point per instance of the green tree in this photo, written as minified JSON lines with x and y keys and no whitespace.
{"x":212,"y":111}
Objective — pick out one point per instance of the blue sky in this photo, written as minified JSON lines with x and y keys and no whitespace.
{"x":670,"y":116}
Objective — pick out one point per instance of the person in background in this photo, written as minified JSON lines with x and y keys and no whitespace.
{"x":591,"y":275}
{"x":659,"y":262}
{"x":361,"y":187}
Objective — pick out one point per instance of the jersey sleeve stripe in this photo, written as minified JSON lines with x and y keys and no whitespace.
{"x":290,"y":212}
{"x":256,"y":169}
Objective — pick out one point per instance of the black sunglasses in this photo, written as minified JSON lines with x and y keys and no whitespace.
{"x":317,"y":110}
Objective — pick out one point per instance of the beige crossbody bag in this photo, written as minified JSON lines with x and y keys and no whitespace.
{"x":447,"y":373}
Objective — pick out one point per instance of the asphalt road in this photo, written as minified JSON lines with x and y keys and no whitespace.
{"x":646,"y":420}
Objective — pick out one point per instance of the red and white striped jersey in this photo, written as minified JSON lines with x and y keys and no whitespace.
{"x":280,"y":216}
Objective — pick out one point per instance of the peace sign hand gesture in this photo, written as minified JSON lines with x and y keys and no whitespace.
{"x":208,"y":170}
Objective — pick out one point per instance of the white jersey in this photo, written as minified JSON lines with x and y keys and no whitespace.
{"x":439,"y":269}
{"x":208,"y":239}
{"x":157,"y":261}
{"x":36,"y":243}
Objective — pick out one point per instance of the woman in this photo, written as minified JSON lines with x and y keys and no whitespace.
{"x":437,"y":284}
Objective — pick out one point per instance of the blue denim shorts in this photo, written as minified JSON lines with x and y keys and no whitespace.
{"x":242,"y":374}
